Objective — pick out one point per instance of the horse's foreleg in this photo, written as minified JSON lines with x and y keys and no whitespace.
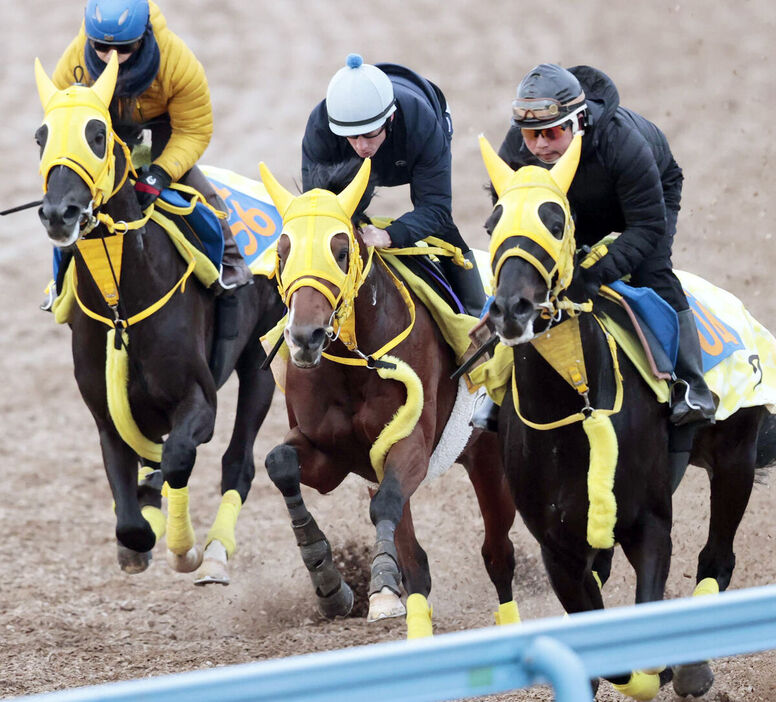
{"x":192,"y":425}
{"x":497,"y":507}
{"x":237,"y":467}
{"x":134,"y":534}
{"x":335,"y":598}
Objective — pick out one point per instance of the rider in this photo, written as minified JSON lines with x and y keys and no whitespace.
{"x":627,"y":181}
{"x":400,"y":120}
{"x":162,"y":88}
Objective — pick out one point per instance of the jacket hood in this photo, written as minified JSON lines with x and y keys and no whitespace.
{"x":600,"y":92}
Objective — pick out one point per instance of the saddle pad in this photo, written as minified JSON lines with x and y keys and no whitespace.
{"x":743,"y":352}
{"x":254,"y":220}
{"x":200,"y":227}
{"x":654,"y":312}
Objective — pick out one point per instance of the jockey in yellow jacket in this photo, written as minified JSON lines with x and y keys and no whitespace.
{"x":161,"y":89}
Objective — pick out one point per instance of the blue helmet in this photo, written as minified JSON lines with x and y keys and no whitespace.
{"x":116,"y":21}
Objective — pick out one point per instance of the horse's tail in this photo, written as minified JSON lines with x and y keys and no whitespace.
{"x":766,"y":443}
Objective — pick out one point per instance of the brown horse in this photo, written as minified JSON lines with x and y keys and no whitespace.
{"x":584,"y":438}
{"x":142,"y":337}
{"x":368,"y":391}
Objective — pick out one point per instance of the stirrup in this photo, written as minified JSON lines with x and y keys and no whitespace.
{"x":695,"y":412}
{"x":51,"y":296}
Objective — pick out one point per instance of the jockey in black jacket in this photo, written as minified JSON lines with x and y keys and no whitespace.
{"x":400,"y":120}
{"x":627,"y":181}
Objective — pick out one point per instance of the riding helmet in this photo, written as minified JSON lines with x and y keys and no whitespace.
{"x":359,"y":98}
{"x":547,"y":95}
{"x":116,"y":21}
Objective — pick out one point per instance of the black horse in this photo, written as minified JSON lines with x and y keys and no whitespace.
{"x":141,"y":358}
{"x":565,"y":424}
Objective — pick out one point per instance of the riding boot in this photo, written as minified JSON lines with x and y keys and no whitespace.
{"x":234,"y":269}
{"x":696,"y":403}
{"x":466,"y":283}
{"x":485,"y":414}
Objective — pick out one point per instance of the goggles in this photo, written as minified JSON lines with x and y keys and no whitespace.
{"x":549,"y":133}
{"x":120,"y":49}
{"x":536,"y":110}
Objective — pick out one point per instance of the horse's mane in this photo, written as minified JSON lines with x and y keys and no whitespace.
{"x":335,"y":177}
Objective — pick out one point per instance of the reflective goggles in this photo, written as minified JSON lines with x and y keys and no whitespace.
{"x":543,"y":109}
{"x":549,"y":133}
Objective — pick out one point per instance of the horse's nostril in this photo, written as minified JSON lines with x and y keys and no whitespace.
{"x":72,"y":213}
{"x":523,"y":307}
{"x":317,"y":337}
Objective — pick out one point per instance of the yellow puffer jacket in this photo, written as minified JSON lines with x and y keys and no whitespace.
{"x":180,"y":89}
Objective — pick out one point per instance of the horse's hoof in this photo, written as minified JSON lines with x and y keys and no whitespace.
{"x":693,"y":679}
{"x":385,"y":605}
{"x":187,"y":562}
{"x":132,"y":562}
{"x":213,"y":568}
{"x":338,"y":604}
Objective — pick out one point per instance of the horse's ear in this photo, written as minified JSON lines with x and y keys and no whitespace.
{"x":46,"y":88}
{"x":566,"y":166}
{"x":351,"y":196}
{"x":106,"y":83}
{"x":499,"y":170}
{"x":280,"y":196}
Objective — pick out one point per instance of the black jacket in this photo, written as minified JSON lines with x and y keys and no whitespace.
{"x":627,"y":180}
{"x":415,"y":151}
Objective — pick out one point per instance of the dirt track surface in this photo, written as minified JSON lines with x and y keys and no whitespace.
{"x":68,"y":616}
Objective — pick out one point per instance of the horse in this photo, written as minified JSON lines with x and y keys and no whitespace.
{"x":583,"y":440}
{"x":142,"y":338}
{"x":368,"y":391}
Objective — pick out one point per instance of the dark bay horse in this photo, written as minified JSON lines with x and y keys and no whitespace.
{"x":368,"y":391}
{"x":584,"y":439}
{"x":142,"y":334}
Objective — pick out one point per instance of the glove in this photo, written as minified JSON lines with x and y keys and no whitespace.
{"x":584,"y":285}
{"x":151,"y":180}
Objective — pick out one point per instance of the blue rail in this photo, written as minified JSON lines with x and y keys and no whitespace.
{"x":564,"y":652}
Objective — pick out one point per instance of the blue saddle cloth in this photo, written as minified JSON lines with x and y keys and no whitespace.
{"x":658,"y":320}
{"x":201,"y":227}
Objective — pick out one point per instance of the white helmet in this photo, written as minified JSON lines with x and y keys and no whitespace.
{"x":359,"y":98}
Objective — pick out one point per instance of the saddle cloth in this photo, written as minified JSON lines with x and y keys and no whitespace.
{"x":739,"y":353}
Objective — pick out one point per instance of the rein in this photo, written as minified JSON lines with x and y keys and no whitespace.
{"x":372,"y":361}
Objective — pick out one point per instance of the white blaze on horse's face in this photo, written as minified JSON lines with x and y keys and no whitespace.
{"x":72,"y":118}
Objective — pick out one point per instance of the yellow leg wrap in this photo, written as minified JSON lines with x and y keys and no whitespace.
{"x":180,"y":532}
{"x":418,"y":617}
{"x":707,"y":586}
{"x":406,"y":417}
{"x":602,"y":513}
{"x":597,"y":581}
{"x":641,"y":686}
{"x":507,"y":613}
{"x":226,"y":521}
{"x":155,"y":517}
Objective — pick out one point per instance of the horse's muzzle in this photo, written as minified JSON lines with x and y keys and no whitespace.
{"x":513,"y":317}
{"x":306,"y":344}
{"x":62,"y":221}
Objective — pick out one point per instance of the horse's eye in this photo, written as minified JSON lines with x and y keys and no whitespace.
{"x":41,"y":135}
{"x":96,"y":136}
{"x":553,"y":217}
{"x":342,"y":256}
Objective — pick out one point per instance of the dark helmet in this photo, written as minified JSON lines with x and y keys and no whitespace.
{"x":547,"y":95}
